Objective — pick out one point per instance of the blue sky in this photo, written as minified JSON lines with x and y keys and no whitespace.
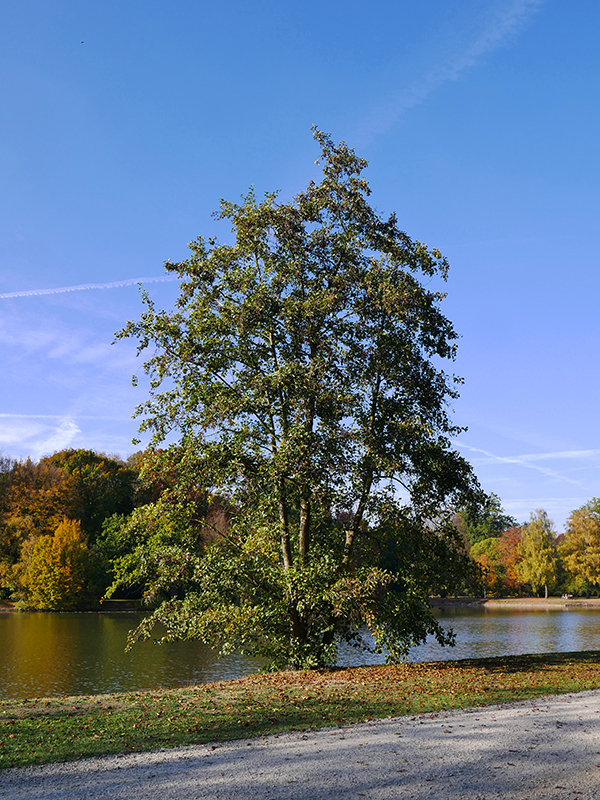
{"x":123,"y":123}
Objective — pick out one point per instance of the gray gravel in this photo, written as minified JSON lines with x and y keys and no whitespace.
{"x":549,"y":749}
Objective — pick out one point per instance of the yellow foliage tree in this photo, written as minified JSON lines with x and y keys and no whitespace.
{"x":580,"y":549}
{"x":35,"y":498}
{"x":57,"y":572}
{"x":537,"y":550}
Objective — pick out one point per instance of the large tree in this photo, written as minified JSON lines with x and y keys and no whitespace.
{"x":301,"y":367}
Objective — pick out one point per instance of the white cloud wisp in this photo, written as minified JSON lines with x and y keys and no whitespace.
{"x":40,"y":438}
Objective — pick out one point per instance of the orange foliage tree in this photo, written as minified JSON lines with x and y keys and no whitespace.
{"x":497,"y":558}
{"x":508,"y":555}
{"x":486,"y":556}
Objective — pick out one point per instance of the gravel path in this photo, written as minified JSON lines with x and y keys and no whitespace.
{"x":549,"y":748}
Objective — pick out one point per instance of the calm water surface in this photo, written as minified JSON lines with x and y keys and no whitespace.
{"x":482,"y":632}
{"x":64,"y":653}
{"x":52,"y":654}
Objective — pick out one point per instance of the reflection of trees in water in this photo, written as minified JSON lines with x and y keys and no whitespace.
{"x":69,"y":653}
{"x":37,"y":650}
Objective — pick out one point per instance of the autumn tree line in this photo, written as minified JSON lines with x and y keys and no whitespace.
{"x":60,"y":523}
{"x":68,"y":526}
{"x":513,"y":559}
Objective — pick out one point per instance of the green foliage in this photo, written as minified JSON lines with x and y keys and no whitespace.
{"x":104,"y":486}
{"x":299,"y":366}
{"x":537,"y":549}
{"x":580,"y":548}
{"x":114,"y":542}
{"x":109,"y":545}
{"x":485,"y":520}
{"x":57,"y":572}
{"x":487,"y":547}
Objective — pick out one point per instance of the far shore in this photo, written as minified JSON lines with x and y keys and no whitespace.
{"x":522,"y":603}
{"x":517,"y":603}
{"x":122,"y":606}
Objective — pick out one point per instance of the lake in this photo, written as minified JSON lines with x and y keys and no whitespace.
{"x":44,"y":654}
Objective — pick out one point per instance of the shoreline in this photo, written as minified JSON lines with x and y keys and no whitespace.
{"x":61,"y":728}
{"x":112,"y":606}
{"x":517,"y":603}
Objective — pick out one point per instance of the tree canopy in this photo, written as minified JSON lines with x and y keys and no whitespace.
{"x":103,"y":486}
{"x":301,"y":369}
{"x":484,"y":521}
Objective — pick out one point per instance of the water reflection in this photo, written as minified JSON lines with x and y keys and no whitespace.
{"x":52,"y":654}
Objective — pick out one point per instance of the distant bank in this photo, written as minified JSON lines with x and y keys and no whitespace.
{"x":109,"y":605}
{"x":520,"y":603}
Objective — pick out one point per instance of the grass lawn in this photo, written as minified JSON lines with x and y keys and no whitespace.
{"x":39,"y":730}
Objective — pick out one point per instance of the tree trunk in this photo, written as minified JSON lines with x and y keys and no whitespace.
{"x":304,"y":538}
{"x":285,"y":526}
{"x":545,"y":591}
{"x":587,"y":588}
{"x":297,"y":630}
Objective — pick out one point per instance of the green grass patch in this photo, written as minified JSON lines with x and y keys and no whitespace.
{"x":38,"y":731}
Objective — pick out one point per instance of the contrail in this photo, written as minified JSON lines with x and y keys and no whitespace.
{"x":523,"y":461}
{"x":83,"y":287}
{"x":509,"y":19}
